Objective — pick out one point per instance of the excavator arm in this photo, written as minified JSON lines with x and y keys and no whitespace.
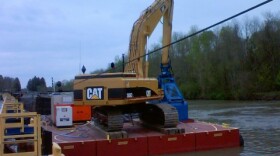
{"x":142,"y":29}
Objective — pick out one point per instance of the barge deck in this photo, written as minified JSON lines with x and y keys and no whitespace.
{"x":88,"y":140}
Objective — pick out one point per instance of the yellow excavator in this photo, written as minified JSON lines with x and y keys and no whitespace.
{"x":113,"y":94}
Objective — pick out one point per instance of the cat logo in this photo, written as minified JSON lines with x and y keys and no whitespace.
{"x":95,"y":93}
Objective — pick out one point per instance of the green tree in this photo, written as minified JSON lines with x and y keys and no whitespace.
{"x":231,"y":53}
{"x":37,"y":84}
{"x":16,"y":85}
{"x":67,"y":85}
{"x":7,"y":83}
{"x":1,"y":83}
{"x":154,"y":61}
{"x":263,"y":55}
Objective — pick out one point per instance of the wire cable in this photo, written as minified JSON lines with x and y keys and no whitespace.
{"x":202,"y":30}
{"x":186,"y":37}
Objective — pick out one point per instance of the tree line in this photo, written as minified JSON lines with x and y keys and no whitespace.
{"x":35,"y":84}
{"x":234,"y":61}
{"x":9,"y":84}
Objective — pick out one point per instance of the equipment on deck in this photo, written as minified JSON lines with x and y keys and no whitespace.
{"x":63,"y":116}
{"x":61,"y":109}
{"x":115,"y":94}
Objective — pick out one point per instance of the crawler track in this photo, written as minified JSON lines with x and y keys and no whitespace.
{"x":160,"y":115}
{"x":108,"y":118}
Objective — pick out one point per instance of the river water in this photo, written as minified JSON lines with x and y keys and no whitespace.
{"x":258,"y":122}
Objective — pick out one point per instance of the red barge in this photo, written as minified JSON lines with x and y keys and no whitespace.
{"x":88,"y":140}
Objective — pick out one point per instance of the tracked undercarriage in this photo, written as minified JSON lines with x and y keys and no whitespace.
{"x":108,"y":118}
{"x":111,"y":119}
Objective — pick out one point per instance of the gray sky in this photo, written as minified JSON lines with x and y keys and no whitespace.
{"x":51,"y":38}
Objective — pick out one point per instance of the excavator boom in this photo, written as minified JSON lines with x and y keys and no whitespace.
{"x":143,"y":28}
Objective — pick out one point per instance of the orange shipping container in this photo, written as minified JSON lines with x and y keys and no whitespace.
{"x":81,"y":113}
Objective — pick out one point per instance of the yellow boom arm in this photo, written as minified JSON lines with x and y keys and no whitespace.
{"x":142,"y":29}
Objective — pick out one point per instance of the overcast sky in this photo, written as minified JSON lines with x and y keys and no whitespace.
{"x":50,"y":38}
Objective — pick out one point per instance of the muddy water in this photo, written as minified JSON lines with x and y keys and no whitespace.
{"x":259,"y":123}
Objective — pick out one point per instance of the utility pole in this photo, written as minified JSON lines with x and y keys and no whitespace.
{"x":53,"y":86}
{"x":123,"y":62}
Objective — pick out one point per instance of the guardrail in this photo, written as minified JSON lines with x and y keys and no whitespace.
{"x":20,"y":131}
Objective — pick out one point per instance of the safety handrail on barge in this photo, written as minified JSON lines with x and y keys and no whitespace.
{"x":18,"y":128}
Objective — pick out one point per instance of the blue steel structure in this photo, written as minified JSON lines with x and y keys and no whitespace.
{"x":172,"y":94}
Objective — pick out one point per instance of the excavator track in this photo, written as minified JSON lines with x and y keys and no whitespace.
{"x":160,"y":116}
{"x":108,"y":119}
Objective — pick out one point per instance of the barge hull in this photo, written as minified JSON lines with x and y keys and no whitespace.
{"x":198,"y":136}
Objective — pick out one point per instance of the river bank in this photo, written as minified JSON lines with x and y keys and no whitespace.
{"x":267,"y":96}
